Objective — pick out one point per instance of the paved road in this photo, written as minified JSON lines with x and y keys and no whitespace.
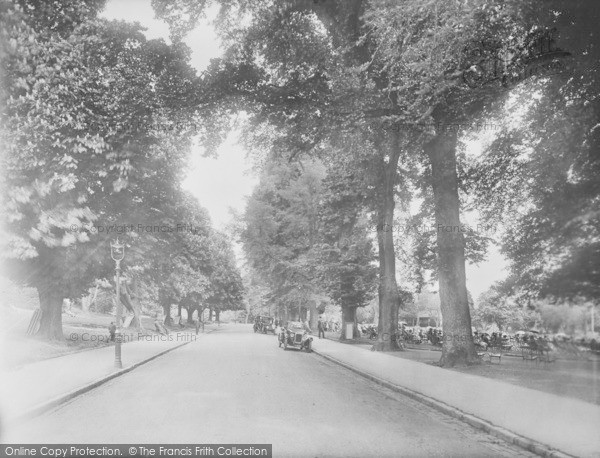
{"x":234,"y":386}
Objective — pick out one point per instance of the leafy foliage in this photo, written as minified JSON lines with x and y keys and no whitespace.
{"x":537,"y":180}
{"x":96,"y":124}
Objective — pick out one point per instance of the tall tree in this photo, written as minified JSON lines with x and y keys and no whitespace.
{"x":226,"y":290}
{"x":282,"y":231}
{"x":345,"y":255}
{"x":84,"y":102}
{"x":314,"y":70}
{"x":397,"y":62}
{"x":447,"y":63}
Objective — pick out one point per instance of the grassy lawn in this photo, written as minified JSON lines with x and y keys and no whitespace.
{"x":82,"y":331}
{"x":576,"y":378}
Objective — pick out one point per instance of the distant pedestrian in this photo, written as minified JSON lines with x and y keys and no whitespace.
{"x":160,"y":328}
{"x":321,"y":327}
{"x":306,"y":326}
{"x":112,"y":331}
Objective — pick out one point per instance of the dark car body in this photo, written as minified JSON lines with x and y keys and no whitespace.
{"x":264,"y":324}
{"x":294,"y":335}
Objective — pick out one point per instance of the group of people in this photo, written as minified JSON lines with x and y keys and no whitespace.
{"x":369,"y":330}
{"x":330,"y":325}
{"x":321,"y":326}
{"x":532,"y":341}
{"x":495,"y":339}
{"x":434,"y":336}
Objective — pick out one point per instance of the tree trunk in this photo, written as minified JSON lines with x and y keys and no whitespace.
{"x":134,"y":297}
{"x":210,"y":314}
{"x":314,"y":316}
{"x":286,"y":314}
{"x":51,"y":302}
{"x":128,"y":300}
{"x":167,"y":312}
{"x":302,"y":313}
{"x":458,"y":346}
{"x":349,"y":316}
{"x":218,"y":315}
{"x":389,"y":299}
{"x":89,"y":300}
{"x":190,"y":313}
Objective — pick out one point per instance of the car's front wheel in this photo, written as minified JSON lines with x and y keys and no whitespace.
{"x":308,"y":346}
{"x":285,"y":343}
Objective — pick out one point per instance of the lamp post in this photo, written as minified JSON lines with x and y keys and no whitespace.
{"x":117,"y":252}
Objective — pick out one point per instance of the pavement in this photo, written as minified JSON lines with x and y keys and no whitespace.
{"x":235,"y":386}
{"x":245,"y":388}
{"x":542,"y":422}
{"x":33,"y":388}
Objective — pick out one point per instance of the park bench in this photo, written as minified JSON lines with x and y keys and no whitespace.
{"x":538,"y":354}
{"x":495,"y":352}
{"x":546,"y":358}
{"x":546,"y":355}
{"x":529,"y":354}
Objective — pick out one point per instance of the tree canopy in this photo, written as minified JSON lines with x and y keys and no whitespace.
{"x":360,"y":118}
{"x":96,"y":126}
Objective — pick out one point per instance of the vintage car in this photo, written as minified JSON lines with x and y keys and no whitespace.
{"x":264,"y":324}
{"x":294,"y":335}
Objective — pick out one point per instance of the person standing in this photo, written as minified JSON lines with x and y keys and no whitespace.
{"x":306,"y":326}
{"x":112,"y":330}
{"x":321,"y":327}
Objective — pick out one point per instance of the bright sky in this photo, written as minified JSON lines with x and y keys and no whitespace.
{"x":223,"y":183}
